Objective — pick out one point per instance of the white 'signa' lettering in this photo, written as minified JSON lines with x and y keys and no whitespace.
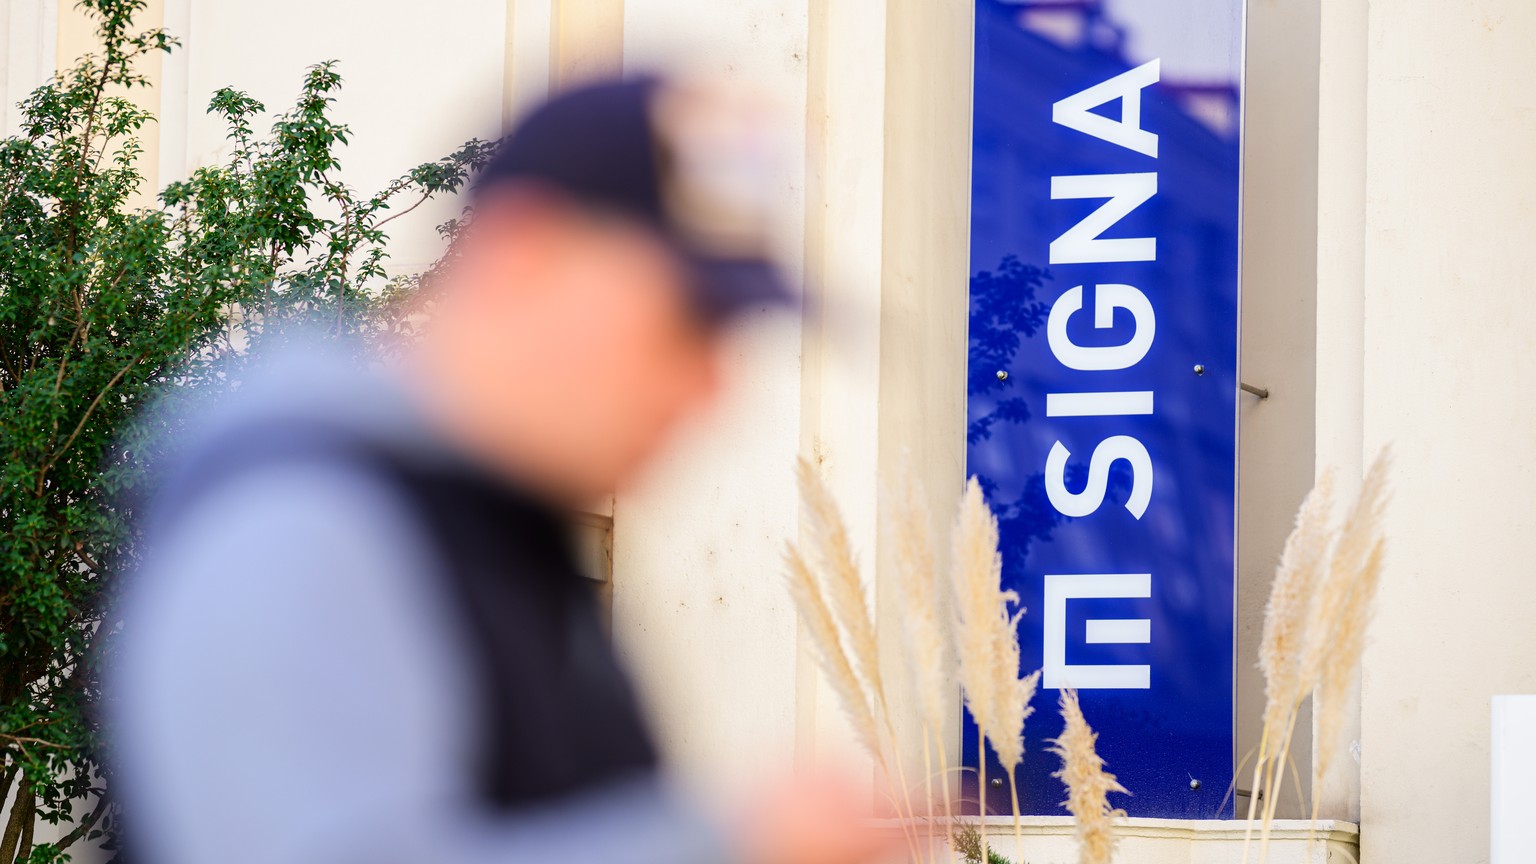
{"x":1085,"y":243}
{"x":1106,"y":299}
{"x":1058,"y":673}
{"x":1082,"y":243}
{"x":1115,"y":447}
{"x":1076,"y":111}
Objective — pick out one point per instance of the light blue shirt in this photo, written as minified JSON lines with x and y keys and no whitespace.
{"x":290,"y":686}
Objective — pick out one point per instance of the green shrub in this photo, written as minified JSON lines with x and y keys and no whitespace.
{"x":965,"y":837}
{"x":101,"y":305}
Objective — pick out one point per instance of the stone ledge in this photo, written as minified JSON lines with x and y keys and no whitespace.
{"x":1049,"y":840}
{"x":1191,"y":829}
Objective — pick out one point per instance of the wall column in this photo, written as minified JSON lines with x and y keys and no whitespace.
{"x":925,"y":279}
{"x":1340,"y":309}
{"x":1447,"y":319}
{"x":1276,"y":449}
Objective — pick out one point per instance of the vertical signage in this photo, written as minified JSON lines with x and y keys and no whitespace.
{"x":1103,"y":375}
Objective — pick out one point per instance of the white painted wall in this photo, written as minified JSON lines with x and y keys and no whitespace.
{"x":700,"y":612}
{"x":419,"y":79}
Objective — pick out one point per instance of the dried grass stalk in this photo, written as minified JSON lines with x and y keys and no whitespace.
{"x":930,"y":653}
{"x":930,"y":650}
{"x":1338,"y":672}
{"x":1088,"y":784}
{"x":987,"y":637}
{"x":1343,"y":607}
{"x":1334,"y":572}
{"x":832,"y":559}
{"x":1302,"y":566}
{"x":829,"y":592}
{"x":816,"y":615}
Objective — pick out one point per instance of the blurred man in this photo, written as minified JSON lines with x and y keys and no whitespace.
{"x":359,"y":635}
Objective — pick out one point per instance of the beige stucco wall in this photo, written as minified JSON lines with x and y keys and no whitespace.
{"x":28,"y":52}
{"x":1448,"y":328}
{"x":77,"y":38}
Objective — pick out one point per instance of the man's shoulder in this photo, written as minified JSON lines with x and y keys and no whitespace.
{"x":273,"y":525}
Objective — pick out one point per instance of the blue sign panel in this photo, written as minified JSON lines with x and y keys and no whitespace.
{"x":1103,"y":376}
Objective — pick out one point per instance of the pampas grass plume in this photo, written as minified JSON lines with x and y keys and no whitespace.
{"x":1088,"y":784}
{"x":1331,"y":575}
{"x":987,"y":638}
{"x":843,"y":590}
{"x":830,"y":594}
{"x":1343,"y":608}
{"x":819,"y":623}
{"x":930,"y":652}
{"x":1286,"y":619}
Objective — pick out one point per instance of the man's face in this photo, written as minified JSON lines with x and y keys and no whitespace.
{"x":589,"y":353}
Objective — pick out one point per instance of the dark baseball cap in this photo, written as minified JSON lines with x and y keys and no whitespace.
{"x":696,"y":165}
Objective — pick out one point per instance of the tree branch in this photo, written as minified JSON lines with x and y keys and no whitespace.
{"x":85,"y":825}
{"x":25,"y":739}
{"x":24,"y":851}
{"x":86,"y":559}
{"x":425,"y":197}
{"x":91,"y":409}
{"x":337,"y":193}
{"x":80,"y":166}
{"x":21,"y":814}
{"x":6,"y":779}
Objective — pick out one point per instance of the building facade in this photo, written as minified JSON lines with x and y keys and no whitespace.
{"x":1388,"y":188}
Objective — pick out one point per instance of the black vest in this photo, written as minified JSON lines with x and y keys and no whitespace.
{"x":558,"y":713}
